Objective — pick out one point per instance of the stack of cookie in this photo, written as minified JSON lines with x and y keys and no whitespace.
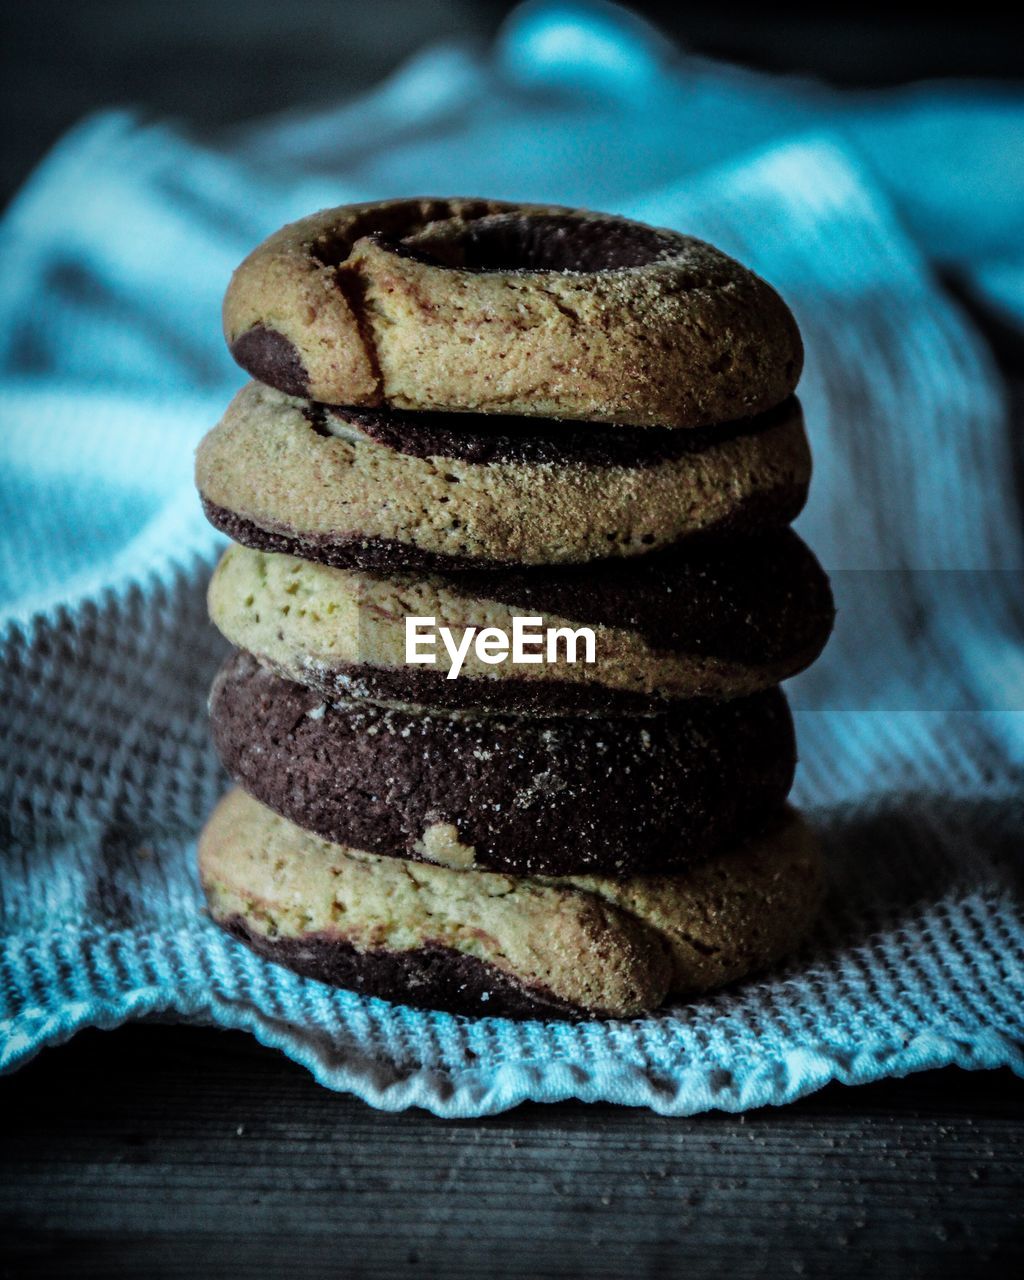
{"x":481,"y":432}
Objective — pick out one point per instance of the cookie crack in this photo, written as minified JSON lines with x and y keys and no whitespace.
{"x":353,"y":288}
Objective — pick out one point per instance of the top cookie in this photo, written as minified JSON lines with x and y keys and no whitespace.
{"x":484,"y":306}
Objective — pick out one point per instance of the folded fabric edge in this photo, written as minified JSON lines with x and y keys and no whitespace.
{"x":778,"y":1079}
{"x":194,"y":553}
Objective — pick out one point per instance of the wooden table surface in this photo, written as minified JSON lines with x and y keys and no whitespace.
{"x":158,"y":1150}
{"x":181,"y":1151}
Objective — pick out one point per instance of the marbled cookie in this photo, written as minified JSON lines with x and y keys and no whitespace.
{"x":393,"y":491}
{"x":484,"y":943}
{"x":485,"y":306}
{"x":720,"y":621}
{"x":540,"y":795}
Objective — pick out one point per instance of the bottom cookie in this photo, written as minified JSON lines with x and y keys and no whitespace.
{"x":481,"y":942}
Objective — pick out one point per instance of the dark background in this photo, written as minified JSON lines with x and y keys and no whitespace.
{"x":176,"y":1151}
{"x":218,"y":62}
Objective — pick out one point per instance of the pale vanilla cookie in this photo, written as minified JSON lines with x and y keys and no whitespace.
{"x":488,"y":307}
{"x":550,"y":795}
{"x":440,"y":492}
{"x":719,"y":621}
{"x":483,"y":943}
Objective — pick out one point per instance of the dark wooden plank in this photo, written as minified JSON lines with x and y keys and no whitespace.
{"x":159,"y":1151}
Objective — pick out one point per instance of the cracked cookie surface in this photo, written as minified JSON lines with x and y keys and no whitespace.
{"x":484,"y":943}
{"x":493,"y":307}
{"x":327,"y":485}
{"x":538,"y":795}
{"x":719,"y":621}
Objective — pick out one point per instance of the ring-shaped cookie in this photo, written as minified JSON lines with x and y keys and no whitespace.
{"x":485,"y":306}
{"x":476,"y":942}
{"x":546,"y":795}
{"x":339,"y":486}
{"x":723,"y":621}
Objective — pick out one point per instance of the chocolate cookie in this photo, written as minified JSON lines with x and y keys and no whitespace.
{"x":542,"y":795}
{"x":483,"y":943}
{"x":380,"y":491}
{"x":721,"y":621}
{"x":486,"y":306}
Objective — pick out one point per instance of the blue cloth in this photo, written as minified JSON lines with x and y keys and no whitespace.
{"x":114,"y":259}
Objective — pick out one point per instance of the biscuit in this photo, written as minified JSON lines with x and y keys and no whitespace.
{"x":379,"y":491}
{"x":542,"y":795}
{"x":490,"y":307}
{"x":722,"y":621}
{"x":484,"y":943}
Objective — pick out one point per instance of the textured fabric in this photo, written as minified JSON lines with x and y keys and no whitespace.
{"x":911,"y":727}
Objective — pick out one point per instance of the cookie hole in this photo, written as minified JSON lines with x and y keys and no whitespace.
{"x":539,"y":242}
{"x":332,"y":246}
